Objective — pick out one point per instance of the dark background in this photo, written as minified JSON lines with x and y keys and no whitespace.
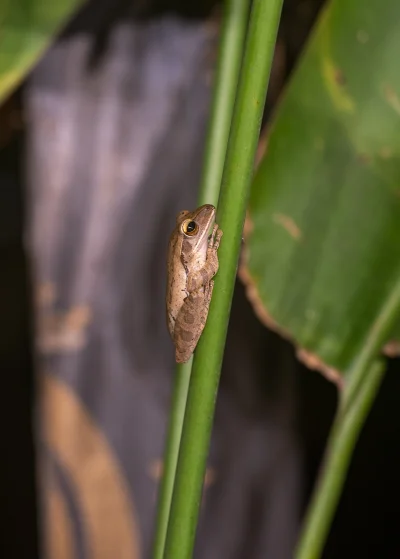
{"x":366,"y":523}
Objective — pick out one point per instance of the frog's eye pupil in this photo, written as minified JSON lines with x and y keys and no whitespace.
{"x":190,"y":228}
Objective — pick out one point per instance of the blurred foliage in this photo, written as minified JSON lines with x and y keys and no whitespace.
{"x":27,"y":29}
{"x":323,"y":228}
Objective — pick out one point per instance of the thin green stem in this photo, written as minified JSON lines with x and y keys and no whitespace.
{"x":174,"y":431}
{"x":343,"y":438}
{"x":236,"y":181}
{"x":233,"y":34}
{"x":363,"y":382}
{"x":377,"y":336}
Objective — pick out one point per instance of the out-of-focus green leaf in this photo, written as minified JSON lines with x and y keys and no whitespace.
{"x":323,"y":242}
{"x":26,"y":29}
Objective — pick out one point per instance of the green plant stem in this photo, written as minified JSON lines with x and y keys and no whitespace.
{"x":378,"y":335}
{"x":237,"y":176}
{"x":363,"y":382}
{"x":233,"y":34}
{"x":344,"y":435}
{"x":230,"y":56}
{"x":178,"y":404}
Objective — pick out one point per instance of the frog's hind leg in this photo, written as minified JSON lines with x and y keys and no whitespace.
{"x":190,"y":323}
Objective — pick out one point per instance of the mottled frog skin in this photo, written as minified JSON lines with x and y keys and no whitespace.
{"x":192,"y":263}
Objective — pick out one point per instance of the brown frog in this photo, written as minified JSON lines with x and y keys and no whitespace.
{"x":192,"y":263}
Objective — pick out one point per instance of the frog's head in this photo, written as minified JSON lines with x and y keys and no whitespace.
{"x":194,"y":228}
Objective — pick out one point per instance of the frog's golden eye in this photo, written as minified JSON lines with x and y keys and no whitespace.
{"x":190,"y":227}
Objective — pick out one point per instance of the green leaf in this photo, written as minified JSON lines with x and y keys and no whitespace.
{"x":323,"y":241}
{"x":26,"y":30}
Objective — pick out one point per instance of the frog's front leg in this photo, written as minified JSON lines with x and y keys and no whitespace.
{"x":204,"y":276}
